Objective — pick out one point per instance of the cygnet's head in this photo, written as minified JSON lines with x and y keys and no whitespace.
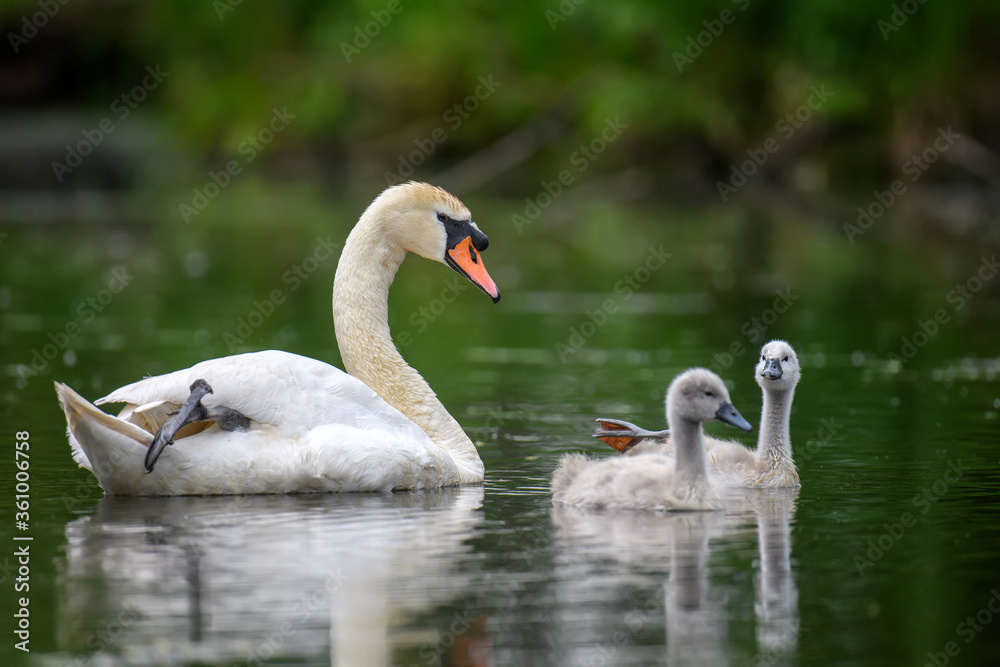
{"x":699,"y":395}
{"x":778,"y":367}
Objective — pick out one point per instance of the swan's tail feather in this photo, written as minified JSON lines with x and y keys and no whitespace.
{"x":102,"y":443}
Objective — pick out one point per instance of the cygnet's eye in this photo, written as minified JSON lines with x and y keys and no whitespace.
{"x":710,"y":394}
{"x":786,"y":358}
{"x":762,"y":357}
{"x":442,"y":217}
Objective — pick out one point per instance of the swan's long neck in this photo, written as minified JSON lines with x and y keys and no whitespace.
{"x":367,"y":267}
{"x":689,"y":446}
{"x":774,"y":441}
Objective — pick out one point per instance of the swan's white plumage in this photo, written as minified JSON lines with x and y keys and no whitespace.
{"x":313,"y":427}
{"x":644,"y":482}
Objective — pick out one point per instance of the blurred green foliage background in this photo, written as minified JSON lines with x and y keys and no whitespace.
{"x":366,"y":80}
{"x":496,"y":102}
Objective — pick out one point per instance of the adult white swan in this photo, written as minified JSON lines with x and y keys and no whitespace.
{"x":274,"y":422}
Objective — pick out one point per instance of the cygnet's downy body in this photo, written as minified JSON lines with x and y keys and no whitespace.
{"x":656,"y":481}
{"x":731,"y":463}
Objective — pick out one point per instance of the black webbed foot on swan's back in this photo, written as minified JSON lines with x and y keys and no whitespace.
{"x":193,"y":411}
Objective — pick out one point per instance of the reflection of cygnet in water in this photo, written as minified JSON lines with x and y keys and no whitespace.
{"x":655,"y":481}
{"x":695,"y":610}
{"x":642,"y":547}
{"x":777,"y":597}
{"x":696,"y":615}
{"x":249,"y":578}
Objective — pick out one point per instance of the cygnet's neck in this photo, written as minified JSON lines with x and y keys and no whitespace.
{"x":367,"y":268}
{"x":775,"y":415}
{"x":688,"y":441}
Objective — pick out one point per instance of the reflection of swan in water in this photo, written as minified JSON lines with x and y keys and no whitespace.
{"x":251,"y":578}
{"x":643,"y":547}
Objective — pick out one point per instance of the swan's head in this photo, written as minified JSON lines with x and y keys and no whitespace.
{"x":433,"y":223}
{"x":699,"y":395}
{"x":778,"y":367}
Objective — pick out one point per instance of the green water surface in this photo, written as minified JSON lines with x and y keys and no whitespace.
{"x":887,"y":555}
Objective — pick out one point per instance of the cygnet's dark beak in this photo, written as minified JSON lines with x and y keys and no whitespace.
{"x":772,"y":369}
{"x":729,"y":414}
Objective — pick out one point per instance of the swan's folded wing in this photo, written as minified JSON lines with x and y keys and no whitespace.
{"x":248,"y":383}
{"x":269,"y":387}
{"x":150,"y":416}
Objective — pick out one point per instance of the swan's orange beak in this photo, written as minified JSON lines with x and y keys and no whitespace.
{"x":465,"y":259}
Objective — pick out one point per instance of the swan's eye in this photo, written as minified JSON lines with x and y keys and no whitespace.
{"x":762,"y":357}
{"x":785,"y":359}
{"x":442,"y":217}
{"x":710,"y":394}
